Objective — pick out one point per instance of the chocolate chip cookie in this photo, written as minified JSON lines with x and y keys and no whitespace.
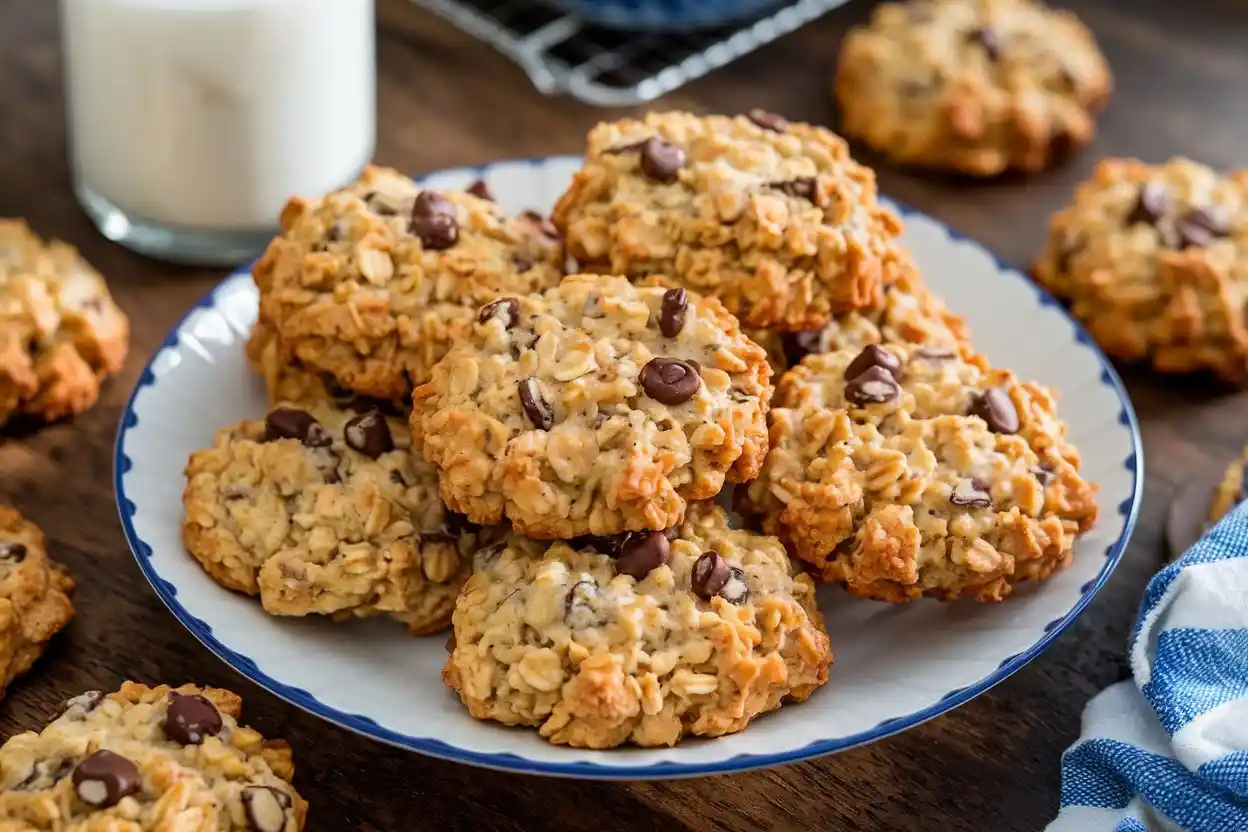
{"x":640,"y":638}
{"x":907,"y":313}
{"x":372,"y":284}
{"x":60,"y":332}
{"x":34,"y":596}
{"x":598,"y":407}
{"x":325,"y":510}
{"x":773,"y":218}
{"x":1154,"y":261}
{"x":148,"y":760}
{"x":979,"y":86}
{"x":900,"y":471}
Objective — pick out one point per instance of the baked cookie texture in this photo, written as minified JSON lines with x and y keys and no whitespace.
{"x":326,"y":511}
{"x":34,"y":596}
{"x":1230,"y":492}
{"x":773,"y":218}
{"x":597,"y":407}
{"x":901,"y":472}
{"x":289,"y":382}
{"x":373,"y":283}
{"x":979,"y":86}
{"x":1154,"y":261}
{"x":638,"y":639}
{"x":148,"y":760}
{"x":908,"y":312}
{"x":61,"y":333}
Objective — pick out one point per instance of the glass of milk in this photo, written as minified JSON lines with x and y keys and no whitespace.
{"x":192,"y":121}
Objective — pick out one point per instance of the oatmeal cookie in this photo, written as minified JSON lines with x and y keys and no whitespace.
{"x":979,"y":86}
{"x":148,"y":760}
{"x":1232,"y":490}
{"x":326,"y":511}
{"x":908,"y":313}
{"x":1154,"y":261}
{"x":598,"y":407}
{"x":639,"y":638}
{"x":900,"y":471}
{"x":60,"y":332}
{"x":288,"y":381}
{"x":34,"y":596}
{"x":771,"y":217}
{"x":373,"y":283}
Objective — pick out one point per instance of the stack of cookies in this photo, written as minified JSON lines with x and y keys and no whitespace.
{"x":532,"y":430}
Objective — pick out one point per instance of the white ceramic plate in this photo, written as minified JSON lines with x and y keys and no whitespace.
{"x":896,"y":666}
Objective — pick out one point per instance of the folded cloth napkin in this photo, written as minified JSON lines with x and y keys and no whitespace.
{"x":1169,"y":749}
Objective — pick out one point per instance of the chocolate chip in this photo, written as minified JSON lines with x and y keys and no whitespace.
{"x":768,"y":121}
{"x":451,"y":643}
{"x":1151,"y":204}
{"x":292,"y":423}
{"x":736,"y":590}
{"x":522,"y":263}
{"x":506,"y":308}
{"x":661,"y":160}
{"x":641,"y":554}
{"x":710,"y":573}
{"x":669,"y":380}
{"x":989,"y":38}
{"x":104,"y":778}
{"x":433,"y":221}
{"x":1043,"y":473}
{"x":995,"y":408}
{"x":873,"y":355}
{"x":535,"y":405}
{"x":874,"y":385}
{"x":672,"y":313}
{"x":542,"y":224}
{"x":481,"y":190}
{"x":578,"y":607}
{"x":369,"y":434}
{"x":803,"y":188}
{"x":191,"y":718}
{"x":13,"y":552}
{"x":266,"y":808}
{"x":798,"y":345}
{"x":1201,"y":226}
{"x":971,"y":493}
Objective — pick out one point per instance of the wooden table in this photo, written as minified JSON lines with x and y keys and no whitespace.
{"x":447,"y":100}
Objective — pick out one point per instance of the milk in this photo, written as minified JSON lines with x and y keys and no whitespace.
{"x":201,"y":117}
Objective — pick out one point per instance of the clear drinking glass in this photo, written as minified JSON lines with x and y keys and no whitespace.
{"x":192,"y":121}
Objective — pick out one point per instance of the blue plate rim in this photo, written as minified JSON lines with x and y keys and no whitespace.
{"x":365,"y":726}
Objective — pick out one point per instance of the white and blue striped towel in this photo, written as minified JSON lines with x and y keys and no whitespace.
{"x":1169,"y":750}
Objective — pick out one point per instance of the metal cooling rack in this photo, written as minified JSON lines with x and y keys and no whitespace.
{"x":606,"y":67}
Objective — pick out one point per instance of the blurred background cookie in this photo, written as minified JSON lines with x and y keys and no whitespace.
{"x":60,"y":332}
{"x":977,"y":86}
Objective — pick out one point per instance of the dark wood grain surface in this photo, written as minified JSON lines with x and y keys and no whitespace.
{"x":447,"y":100}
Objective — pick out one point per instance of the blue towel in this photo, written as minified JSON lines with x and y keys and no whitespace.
{"x":1169,"y":749}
